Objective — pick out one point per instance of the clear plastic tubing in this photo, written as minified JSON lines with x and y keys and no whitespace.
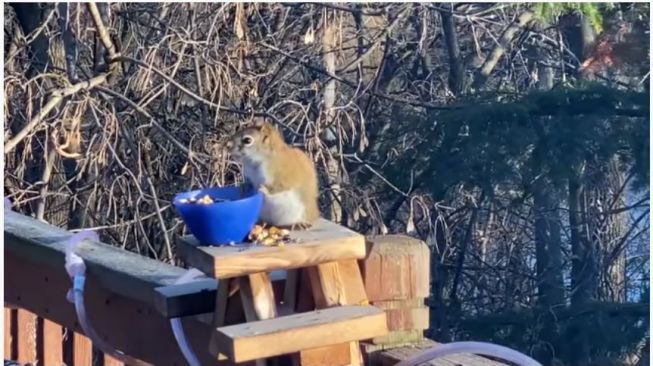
{"x":77,"y":271}
{"x":178,"y":329}
{"x":481,"y":348}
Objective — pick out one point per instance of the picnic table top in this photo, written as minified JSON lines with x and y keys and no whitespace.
{"x":325,"y":242}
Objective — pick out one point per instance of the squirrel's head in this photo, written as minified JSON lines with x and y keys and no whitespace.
{"x":255,"y":142}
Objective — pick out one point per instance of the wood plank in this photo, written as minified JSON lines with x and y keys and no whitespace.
{"x":337,"y":355}
{"x":192,"y":298}
{"x":400,"y":337}
{"x":392,"y":356}
{"x":320,"y":328}
{"x":325,"y":242}
{"x":354,"y":287}
{"x":120,"y":271}
{"x":110,"y":361}
{"x":26,"y":336}
{"x":399,"y":304}
{"x":8,"y":336}
{"x":82,"y":350}
{"x":52,"y":343}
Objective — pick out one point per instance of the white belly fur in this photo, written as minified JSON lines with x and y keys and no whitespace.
{"x":283,"y":208}
{"x":279,"y":209}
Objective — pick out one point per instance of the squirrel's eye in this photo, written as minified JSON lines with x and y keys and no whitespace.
{"x":247,"y":140}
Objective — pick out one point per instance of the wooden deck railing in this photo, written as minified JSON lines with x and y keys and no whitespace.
{"x":121,"y":297}
{"x":130,"y":300}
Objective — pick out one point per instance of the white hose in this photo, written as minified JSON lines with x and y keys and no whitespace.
{"x":482,"y":348}
{"x":77,"y":271}
{"x":177,"y":327}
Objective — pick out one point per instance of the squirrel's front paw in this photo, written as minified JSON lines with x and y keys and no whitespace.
{"x":264,"y":190}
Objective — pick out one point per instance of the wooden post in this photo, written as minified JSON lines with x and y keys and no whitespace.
{"x":396,"y":273}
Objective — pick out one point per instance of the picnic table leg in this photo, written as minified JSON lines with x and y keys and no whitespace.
{"x":258,"y":299}
{"x":290,"y":290}
{"x":220,"y":313}
{"x":334,"y":284}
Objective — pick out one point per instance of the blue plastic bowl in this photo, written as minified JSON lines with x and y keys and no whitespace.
{"x":222,"y":222}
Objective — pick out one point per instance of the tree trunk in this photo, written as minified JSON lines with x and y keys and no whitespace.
{"x":334,"y":202}
{"x":456,"y":69}
{"x":548,"y":254}
{"x":583,"y":276}
{"x":548,"y":246}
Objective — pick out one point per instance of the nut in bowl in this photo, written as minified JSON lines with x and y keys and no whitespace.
{"x":219,"y":215}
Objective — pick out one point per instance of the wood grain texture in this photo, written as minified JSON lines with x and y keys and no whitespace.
{"x":334,"y":284}
{"x":258,"y":297}
{"x":8,"y":336}
{"x":408,"y":318}
{"x":400,"y":337}
{"x":82,"y":350}
{"x":338,"y":355}
{"x":52,"y":343}
{"x":397,"y":267}
{"x":110,"y":361}
{"x":258,"y":301}
{"x":266,"y":338}
{"x":26,"y":336}
{"x":325,"y":242}
{"x":400,"y":304}
{"x":392,"y":356}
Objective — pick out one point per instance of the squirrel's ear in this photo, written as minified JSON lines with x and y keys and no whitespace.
{"x":258,"y":122}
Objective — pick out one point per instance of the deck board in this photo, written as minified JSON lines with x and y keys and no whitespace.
{"x":393,"y":356}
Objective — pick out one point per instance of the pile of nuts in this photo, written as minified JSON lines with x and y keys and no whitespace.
{"x":270,"y":236}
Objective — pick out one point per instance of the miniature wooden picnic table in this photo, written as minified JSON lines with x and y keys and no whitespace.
{"x":321,"y":262}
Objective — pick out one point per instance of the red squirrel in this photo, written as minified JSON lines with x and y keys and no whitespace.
{"x":285,"y":175}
